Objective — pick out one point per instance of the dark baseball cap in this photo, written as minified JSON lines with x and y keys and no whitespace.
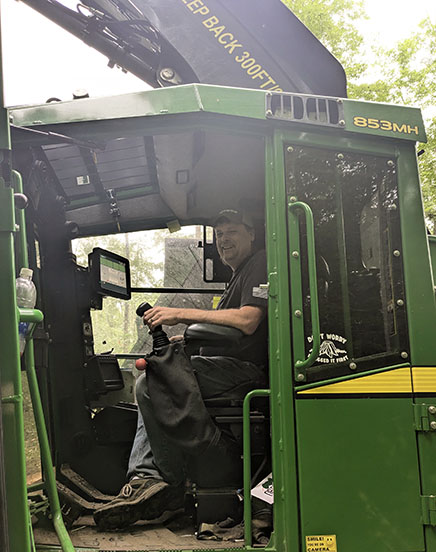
{"x":231,"y":215}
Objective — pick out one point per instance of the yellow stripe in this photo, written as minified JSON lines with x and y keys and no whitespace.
{"x":392,"y":381}
{"x":424,"y":379}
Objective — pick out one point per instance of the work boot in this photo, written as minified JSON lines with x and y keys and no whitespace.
{"x":141,"y":498}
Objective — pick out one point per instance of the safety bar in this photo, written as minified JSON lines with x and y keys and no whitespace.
{"x":248,"y":533}
{"x":30,"y":315}
{"x":34,"y":316}
{"x":299,"y":338}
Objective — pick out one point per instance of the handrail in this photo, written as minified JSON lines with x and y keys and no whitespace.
{"x":34,"y":316}
{"x":248,"y":536}
{"x":297,"y":301}
{"x":30,"y":315}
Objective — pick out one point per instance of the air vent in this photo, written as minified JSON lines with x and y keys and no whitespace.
{"x":315,"y":110}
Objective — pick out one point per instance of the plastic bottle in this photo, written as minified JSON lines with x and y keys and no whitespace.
{"x":26,"y":298}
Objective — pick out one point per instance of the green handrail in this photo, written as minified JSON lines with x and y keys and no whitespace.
{"x":298,"y":320}
{"x":35,"y":316}
{"x":30,"y":315}
{"x":248,"y":536}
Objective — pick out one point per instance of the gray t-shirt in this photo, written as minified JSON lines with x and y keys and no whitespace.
{"x":242,"y":290}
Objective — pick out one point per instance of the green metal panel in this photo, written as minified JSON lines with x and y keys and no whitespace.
{"x":286,"y":515}
{"x":358,"y":472}
{"x":392,"y":121}
{"x":386,"y":120}
{"x":420,"y":296}
{"x":166,"y":101}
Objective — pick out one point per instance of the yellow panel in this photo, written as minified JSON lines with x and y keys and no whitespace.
{"x":424,"y":379}
{"x":392,"y":381}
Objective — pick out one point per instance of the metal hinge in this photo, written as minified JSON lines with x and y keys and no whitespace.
{"x":272,"y":284}
{"x":428,"y":508}
{"x":425,"y":417}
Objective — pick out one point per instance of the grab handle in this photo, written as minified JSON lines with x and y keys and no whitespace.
{"x":301,"y":363}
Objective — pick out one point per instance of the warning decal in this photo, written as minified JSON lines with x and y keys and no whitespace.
{"x":321,"y":543}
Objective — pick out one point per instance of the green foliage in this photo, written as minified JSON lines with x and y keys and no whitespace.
{"x":408,"y":76}
{"x":404,"y":74}
{"x":427,"y":169}
{"x":407,"y":71}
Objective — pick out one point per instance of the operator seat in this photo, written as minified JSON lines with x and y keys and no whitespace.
{"x":218,"y":498}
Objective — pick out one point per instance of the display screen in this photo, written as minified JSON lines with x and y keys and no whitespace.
{"x":110,"y":274}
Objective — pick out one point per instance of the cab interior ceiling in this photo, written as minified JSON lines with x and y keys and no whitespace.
{"x":134,"y":182}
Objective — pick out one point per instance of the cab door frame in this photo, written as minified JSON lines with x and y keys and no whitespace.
{"x":284,"y":372}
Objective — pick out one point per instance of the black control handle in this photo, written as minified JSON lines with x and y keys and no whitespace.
{"x":143,"y":308}
{"x":160,"y":338}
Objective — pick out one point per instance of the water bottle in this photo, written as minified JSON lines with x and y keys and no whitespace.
{"x":26,"y":298}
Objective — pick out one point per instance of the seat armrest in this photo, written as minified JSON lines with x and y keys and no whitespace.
{"x":209,"y":334}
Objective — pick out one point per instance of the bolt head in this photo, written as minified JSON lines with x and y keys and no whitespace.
{"x":340,"y":156}
{"x":390,"y":163}
{"x":269,"y":112}
{"x":396,"y":253}
{"x":352,"y":365}
{"x":167,"y":73}
{"x":289,"y":149}
{"x":404,"y":355}
{"x":298,"y":313}
{"x":300,"y":377}
{"x":433,"y":425}
{"x":342,"y":122}
{"x":295,"y":254}
{"x":432,"y":409}
{"x":400,"y":302}
{"x":292,"y":199}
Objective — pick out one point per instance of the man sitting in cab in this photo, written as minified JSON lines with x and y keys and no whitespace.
{"x":174,"y":426}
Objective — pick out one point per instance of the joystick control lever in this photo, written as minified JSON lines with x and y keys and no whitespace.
{"x":160,"y":338}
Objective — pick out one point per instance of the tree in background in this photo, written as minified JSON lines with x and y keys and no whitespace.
{"x":405,"y":74}
{"x":408,"y":76}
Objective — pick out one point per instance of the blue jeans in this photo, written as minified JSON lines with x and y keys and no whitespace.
{"x":153,"y":454}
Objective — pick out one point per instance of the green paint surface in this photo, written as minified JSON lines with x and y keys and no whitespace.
{"x":359,"y":477}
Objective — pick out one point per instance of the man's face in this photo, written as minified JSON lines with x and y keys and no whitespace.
{"x":233,"y":242}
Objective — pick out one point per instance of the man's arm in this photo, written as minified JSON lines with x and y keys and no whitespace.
{"x":246,"y":318}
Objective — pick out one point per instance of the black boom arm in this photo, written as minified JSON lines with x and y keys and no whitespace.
{"x":243,"y":43}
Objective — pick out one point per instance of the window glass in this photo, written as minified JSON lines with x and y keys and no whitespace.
{"x":160,"y":259}
{"x":354,"y":200}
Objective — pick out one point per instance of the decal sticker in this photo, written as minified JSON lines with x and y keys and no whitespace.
{"x":83,"y":180}
{"x":264,"y":490}
{"x":332,"y":349}
{"x":321,"y":543}
{"x":381,"y":124}
{"x":261,"y":293}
